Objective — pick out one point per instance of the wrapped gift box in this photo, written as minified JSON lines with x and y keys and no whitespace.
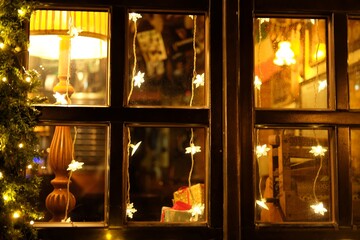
{"x":169,"y":214}
{"x":196,"y":191}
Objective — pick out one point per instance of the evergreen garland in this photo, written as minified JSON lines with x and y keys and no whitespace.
{"x":18,"y":118}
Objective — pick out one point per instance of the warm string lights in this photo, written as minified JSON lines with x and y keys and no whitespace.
{"x":72,"y":167}
{"x":197,"y":80}
{"x":138,"y":79}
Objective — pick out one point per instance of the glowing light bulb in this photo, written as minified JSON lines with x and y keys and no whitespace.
{"x":134,"y":147}
{"x":21,"y":145}
{"x":319,"y":208}
{"x":32,"y":222}
{"x":1,"y":175}
{"x":4,"y":79}
{"x":193,"y":149}
{"x":28,"y":79}
{"x":29,"y":166}
{"x":284,"y":55}
{"x":134,"y":16}
{"x":21,"y":12}
{"x":16,"y":214}
{"x":2,"y":45}
{"x":257,"y":83}
{"x":318,"y":150}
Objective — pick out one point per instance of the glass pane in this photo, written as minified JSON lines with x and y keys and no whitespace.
{"x":167,"y":174}
{"x":167,"y":60}
{"x":69,"y":51}
{"x":293,"y":176}
{"x":85,"y":179}
{"x":355,"y":176}
{"x":354,"y":62}
{"x":290,"y":68}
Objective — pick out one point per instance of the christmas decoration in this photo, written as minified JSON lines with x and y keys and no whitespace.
{"x":18,"y":141}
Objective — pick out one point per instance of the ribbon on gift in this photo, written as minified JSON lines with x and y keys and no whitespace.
{"x":179,"y":205}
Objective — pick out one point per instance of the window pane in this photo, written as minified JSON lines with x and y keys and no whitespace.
{"x":167,"y":177}
{"x":60,"y":145}
{"x":355,"y":177}
{"x":167,"y":60}
{"x":69,"y":50}
{"x":290,"y":68}
{"x":354,"y":62}
{"x":293,"y":176}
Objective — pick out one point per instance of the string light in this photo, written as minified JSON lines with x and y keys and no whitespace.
{"x":134,"y":147}
{"x":257,"y":83}
{"x":21,"y":145}
{"x":136,"y":80}
{"x":1,"y":175}
{"x":2,"y":45}
{"x":284,"y":55}
{"x":130,"y":209}
{"x":262,"y":150}
{"x":16,"y":214}
{"x":4,"y":79}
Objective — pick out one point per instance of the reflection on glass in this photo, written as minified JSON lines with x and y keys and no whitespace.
{"x":167,"y":60}
{"x":69,"y":48}
{"x":167,"y":174}
{"x":73,"y":165}
{"x":290,"y":69}
{"x":293,"y":175}
{"x":353,"y":62}
{"x":355,"y":178}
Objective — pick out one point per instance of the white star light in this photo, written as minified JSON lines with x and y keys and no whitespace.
{"x":139,"y":79}
{"x":134,"y":147}
{"x":319,"y":208}
{"x":261,"y":150}
{"x":193,"y":149}
{"x":262,"y":20}
{"x":199,"y":80}
{"x":60,"y":98}
{"x":322,"y":85}
{"x":75,"y":165}
{"x":262,"y":203}
{"x":257,"y":83}
{"x":134,"y":16}
{"x":73,"y":31}
{"x":130,"y":210}
{"x":318,"y":150}
{"x":197,"y":209}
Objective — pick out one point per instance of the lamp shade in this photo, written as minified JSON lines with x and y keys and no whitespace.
{"x":47,"y":25}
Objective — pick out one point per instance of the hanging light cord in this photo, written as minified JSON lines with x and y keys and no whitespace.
{"x":194,"y":62}
{"x":128,"y":165}
{"x":259,"y":62}
{"x":135,"y":63}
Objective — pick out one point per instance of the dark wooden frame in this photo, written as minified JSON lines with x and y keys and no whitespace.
{"x":117,"y":115}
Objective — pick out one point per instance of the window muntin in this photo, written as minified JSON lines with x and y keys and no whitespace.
{"x":85,"y":144}
{"x":353,"y":62}
{"x":69,"y":49}
{"x":293,"y":175}
{"x":163,"y":169}
{"x":169,"y":52}
{"x":290,"y":63}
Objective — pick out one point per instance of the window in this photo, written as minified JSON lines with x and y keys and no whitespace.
{"x":136,"y":108}
{"x":304,"y":119}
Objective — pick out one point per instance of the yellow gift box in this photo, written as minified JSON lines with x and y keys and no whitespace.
{"x":192,"y":195}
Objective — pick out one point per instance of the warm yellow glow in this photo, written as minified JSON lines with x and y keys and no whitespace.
{"x":262,"y":204}
{"x":4,"y":79}
{"x":193,"y":149}
{"x":284,"y":55}
{"x":9,"y":195}
{"x":1,"y":175}
{"x":130,"y":210}
{"x":319,"y":208}
{"x":257,"y":83}
{"x":21,"y":145}
{"x":318,"y":150}
{"x":199,"y":80}
{"x":2,"y":45}
{"x":29,"y":166}
{"x":108,"y":236}
{"x":32,"y":222}
{"x":320,"y":52}
{"x":261,"y":150}
{"x":21,"y":12}
{"x":74,"y":165}
{"x":28,"y":79}
{"x":16,"y":214}
{"x":47,"y":47}
{"x":134,"y":147}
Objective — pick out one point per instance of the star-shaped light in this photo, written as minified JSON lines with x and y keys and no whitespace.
{"x":322,"y":85}
{"x":74,"y":165}
{"x":60,"y":98}
{"x":134,"y":147}
{"x":197,"y":209}
{"x":257,"y":83}
{"x":199,"y":80}
{"x":193,"y":149}
{"x":318,"y":150}
{"x":73,"y":31}
{"x":68,"y":220}
{"x":139,"y":79}
{"x":191,"y":16}
{"x":261,"y":150}
{"x":262,"y":203}
{"x":319,"y":208}
{"x":134,"y":16}
{"x":130,"y":210}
